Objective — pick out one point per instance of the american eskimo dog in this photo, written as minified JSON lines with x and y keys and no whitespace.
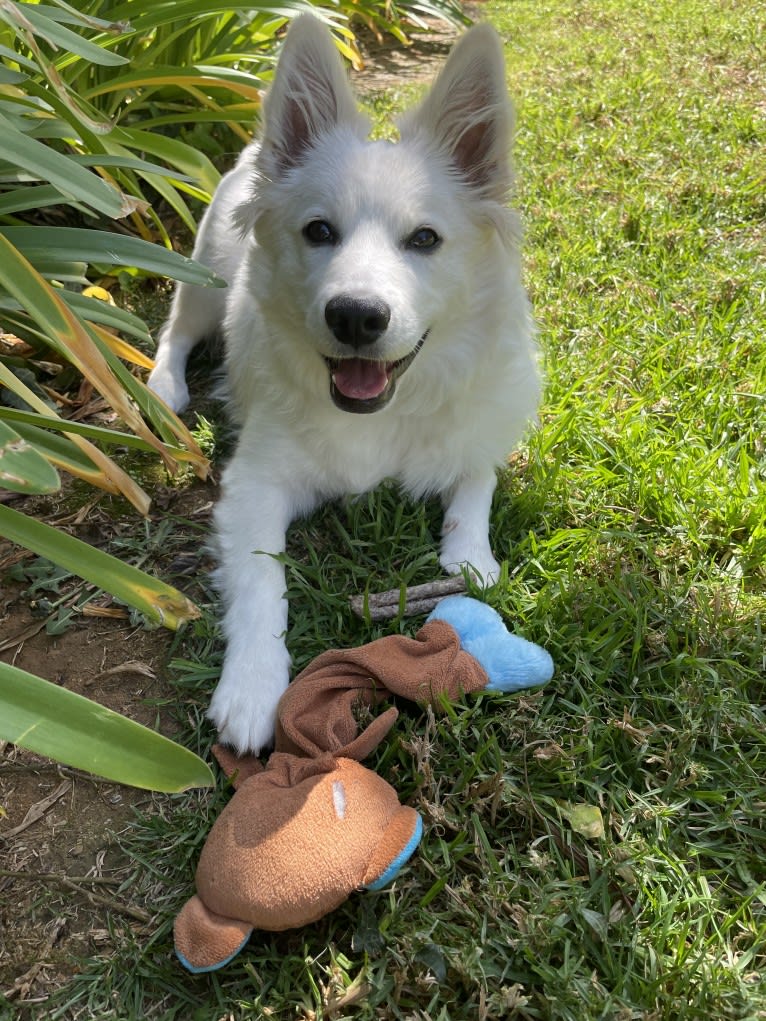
{"x":375,"y":327}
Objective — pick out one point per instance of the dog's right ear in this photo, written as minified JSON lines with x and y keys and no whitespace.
{"x":310,"y":95}
{"x":468,"y":115}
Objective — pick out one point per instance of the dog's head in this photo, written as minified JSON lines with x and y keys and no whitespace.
{"x":368,"y":242}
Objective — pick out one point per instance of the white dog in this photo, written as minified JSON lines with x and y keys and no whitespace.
{"x":375,"y":327}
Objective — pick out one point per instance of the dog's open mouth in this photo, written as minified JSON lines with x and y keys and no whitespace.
{"x":362,"y":385}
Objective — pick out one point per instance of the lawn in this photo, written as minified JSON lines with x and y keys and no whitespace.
{"x":633,"y":529}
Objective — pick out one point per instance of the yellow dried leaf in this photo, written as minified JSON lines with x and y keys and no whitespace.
{"x":584,"y":819}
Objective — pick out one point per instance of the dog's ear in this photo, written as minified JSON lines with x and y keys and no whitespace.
{"x":468,"y":113}
{"x":310,"y":95}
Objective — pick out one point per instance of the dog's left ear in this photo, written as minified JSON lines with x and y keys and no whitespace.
{"x":468,"y":113}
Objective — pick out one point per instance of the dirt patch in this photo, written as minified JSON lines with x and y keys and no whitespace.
{"x":62,"y":871}
{"x":387,"y":66}
{"x":59,"y":862}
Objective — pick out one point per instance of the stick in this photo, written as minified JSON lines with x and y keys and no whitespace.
{"x":39,"y":876}
{"x":73,"y":883}
{"x":109,"y":902}
{"x":38,"y":810}
{"x":417,"y":599}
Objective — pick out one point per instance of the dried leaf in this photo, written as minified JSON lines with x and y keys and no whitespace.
{"x":584,"y":819}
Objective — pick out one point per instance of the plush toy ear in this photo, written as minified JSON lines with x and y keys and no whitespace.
{"x":205,"y":941}
{"x":309,"y":97}
{"x":236,"y":768}
{"x":468,"y":115}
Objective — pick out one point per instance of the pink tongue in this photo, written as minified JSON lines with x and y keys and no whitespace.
{"x":360,"y":378}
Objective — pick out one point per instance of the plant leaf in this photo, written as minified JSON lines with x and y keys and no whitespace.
{"x":72,"y":181}
{"x":584,"y":819}
{"x":199,"y":78}
{"x":162,"y":603}
{"x":22,"y":468}
{"x":62,"y":725}
{"x":79,"y":344}
{"x":93,"y":432}
{"x":78,"y":244}
{"x":63,"y":38}
{"x":108,"y":476}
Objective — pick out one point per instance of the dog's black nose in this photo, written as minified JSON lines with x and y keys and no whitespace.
{"x":357,"y":321}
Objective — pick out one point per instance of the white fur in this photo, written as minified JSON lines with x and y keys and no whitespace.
{"x":462,"y":403}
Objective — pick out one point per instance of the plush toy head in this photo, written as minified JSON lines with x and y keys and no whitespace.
{"x":300,"y":835}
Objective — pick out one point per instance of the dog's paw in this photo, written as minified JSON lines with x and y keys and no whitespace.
{"x":170,"y":386}
{"x":244,"y":705}
{"x":476,"y":557}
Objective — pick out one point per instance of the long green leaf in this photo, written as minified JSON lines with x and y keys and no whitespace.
{"x":22,"y":468}
{"x":56,"y":447}
{"x":83,"y":346}
{"x":173,"y":151}
{"x":144,"y":18}
{"x":63,"y":38}
{"x":104,"y":436}
{"x":127,"y":162}
{"x":83,"y":352}
{"x":94,"y":310}
{"x":32,"y":197}
{"x":72,"y":181}
{"x":76,"y":454}
{"x":244,"y":85}
{"x":107,"y":248}
{"x":65,"y":726}
{"x":162,"y":603}
{"x":67,"y":15}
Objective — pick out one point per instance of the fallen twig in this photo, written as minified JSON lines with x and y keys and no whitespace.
{"x":109,"y":902}
{"x":417,"y":599}
{"x":22,"y":636}
{"x":132,"y":666}
{"x":38,"y":810}
{"x":76,"y":883}
{"x":98,"y":880}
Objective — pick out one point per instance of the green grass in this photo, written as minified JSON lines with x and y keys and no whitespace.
{"x":633,"y":526}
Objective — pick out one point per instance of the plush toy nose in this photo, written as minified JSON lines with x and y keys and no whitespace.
{"x":357,"y":321}
{"x":396,"y":847}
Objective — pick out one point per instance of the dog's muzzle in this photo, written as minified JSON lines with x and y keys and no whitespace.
{"x":363,"y":385}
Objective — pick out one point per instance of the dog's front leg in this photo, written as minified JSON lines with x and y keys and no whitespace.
{"x":465,"y":532}
{"x":252,"y":519}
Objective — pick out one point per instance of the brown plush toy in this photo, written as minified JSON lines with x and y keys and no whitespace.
{"x":300,"y":835}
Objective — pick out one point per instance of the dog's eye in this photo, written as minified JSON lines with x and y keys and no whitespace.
{"x":424,"y":239}
{"x":319,"y":232}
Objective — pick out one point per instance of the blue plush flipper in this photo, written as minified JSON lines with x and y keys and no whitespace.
{"x":511,"y":662}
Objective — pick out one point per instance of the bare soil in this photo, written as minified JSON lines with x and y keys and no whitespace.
{"x":61,"y":865}
{"x":60,"y":860}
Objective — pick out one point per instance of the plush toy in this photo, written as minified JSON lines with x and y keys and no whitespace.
{"x":300,"y":835}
